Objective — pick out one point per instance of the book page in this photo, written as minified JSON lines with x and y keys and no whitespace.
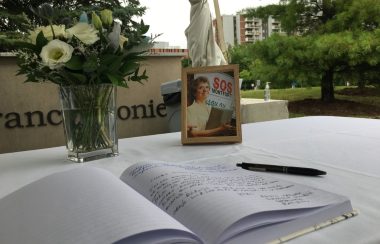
{"x":210,"y":199}
{"x":85,"y":205}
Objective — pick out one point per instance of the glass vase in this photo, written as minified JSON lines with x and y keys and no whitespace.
{"x":89,"y":119}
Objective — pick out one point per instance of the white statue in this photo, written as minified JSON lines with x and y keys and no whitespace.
{"x":201,"y":43}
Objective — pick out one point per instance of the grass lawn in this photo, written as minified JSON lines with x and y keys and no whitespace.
{"x":350,"y":101}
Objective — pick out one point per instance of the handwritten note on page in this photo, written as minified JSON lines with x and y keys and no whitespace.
{"x":210,"y":199}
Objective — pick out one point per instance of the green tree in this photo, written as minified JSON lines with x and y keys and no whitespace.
{"x":302,"y":16}
{"x":336,"y":40}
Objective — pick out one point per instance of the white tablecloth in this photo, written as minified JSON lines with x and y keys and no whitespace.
{"x":347,"y":148}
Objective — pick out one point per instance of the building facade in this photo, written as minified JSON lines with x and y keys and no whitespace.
{"x":251,"y":29}
{"x":239,"y":29}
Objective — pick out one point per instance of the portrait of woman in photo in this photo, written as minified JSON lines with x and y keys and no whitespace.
{"x":198,"y":112}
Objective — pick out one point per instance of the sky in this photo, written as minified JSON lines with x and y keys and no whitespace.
{"x":171,"y":17}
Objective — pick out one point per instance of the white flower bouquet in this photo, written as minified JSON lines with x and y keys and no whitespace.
{"x":88,"y":60}
{"x":91,"y":51}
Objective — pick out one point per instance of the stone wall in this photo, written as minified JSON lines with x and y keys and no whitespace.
{"x":30,"y":112}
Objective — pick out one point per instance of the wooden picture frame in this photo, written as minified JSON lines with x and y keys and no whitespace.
{"x":211,"y":116}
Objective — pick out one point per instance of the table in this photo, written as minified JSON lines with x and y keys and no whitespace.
{"x":347,"y":148}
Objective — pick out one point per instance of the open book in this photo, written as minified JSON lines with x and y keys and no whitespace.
{"x":163,"y":203}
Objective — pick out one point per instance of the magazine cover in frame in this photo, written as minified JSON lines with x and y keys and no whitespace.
{"x":210,"y":105}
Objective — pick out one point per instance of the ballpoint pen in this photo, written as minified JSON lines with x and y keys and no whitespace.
{"x":281,"y":169}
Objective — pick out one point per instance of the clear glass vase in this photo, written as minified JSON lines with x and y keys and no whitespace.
{"x":89,"y":118}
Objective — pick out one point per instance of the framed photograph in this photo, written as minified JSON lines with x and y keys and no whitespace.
{"x":210,"y":105}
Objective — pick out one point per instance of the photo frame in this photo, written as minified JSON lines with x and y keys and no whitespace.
{"x":210,"y":105}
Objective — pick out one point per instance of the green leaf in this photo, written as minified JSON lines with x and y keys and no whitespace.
{"x":115,"y":65}
{"x":129,"y":68}
{"x":135,"y":57}
{"x":107,"y":59}
{"x":144,"y":28}
{"x":79,"y":77}
{"x":41,"y":41}
{"x":115,"y":79}
{"x":27,"y":45}
{"x":138,"y":78}
{"x":73,"y":78}
{"x":75,"y":63}
{"x":90,"y":65}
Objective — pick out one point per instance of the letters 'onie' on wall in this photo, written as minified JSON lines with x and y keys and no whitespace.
{"x":30,"y":116}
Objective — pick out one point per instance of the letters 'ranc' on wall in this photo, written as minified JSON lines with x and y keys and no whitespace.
{"x":30,"y":116}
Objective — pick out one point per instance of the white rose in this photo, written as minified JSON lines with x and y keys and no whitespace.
{"x":122,"y":39}
{"x":59,"y":31}
{"x":84,"y":32}
{"x":56,"y":53}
